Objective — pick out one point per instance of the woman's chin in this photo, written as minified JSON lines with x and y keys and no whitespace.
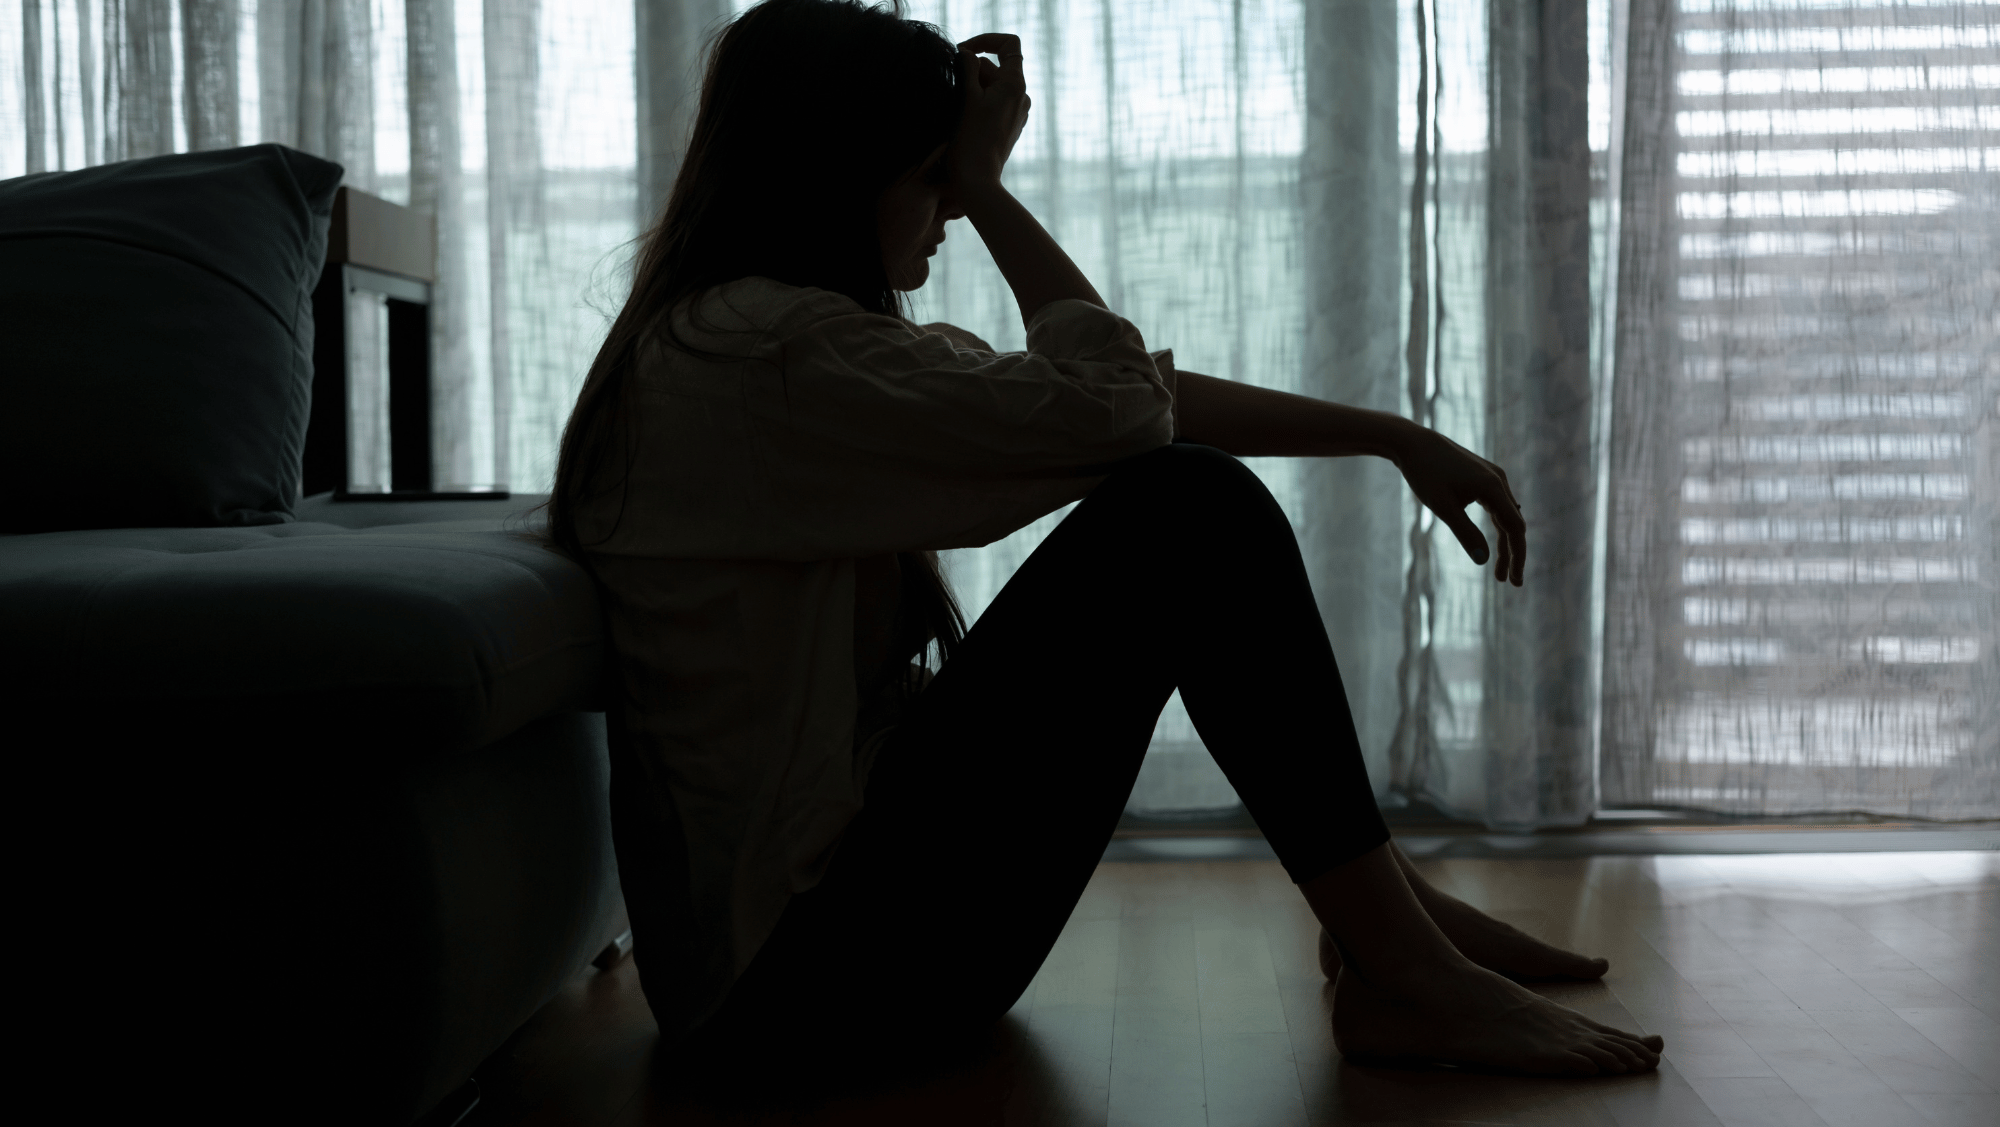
{"x":912,"y":276}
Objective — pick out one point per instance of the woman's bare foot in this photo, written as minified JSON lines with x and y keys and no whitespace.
{"x":1423,"y":999}
{"x":1490,"y":943}
{"x":1502,"y":947}
{"x":1486,"y":941}
{"x":1475,"y":1017}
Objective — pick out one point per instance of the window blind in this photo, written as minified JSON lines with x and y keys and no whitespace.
{"x":1806,"y":484}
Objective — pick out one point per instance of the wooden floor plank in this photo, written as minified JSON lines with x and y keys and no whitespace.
{"x":1072,"y":1023}
{"x":1666,"y":1099}
{"x":1303,"y":992}
{"x":1965,"y":1034}
{"x":1830,"y":1079}
{"x":1910,"y":989}
{"x":1756,"y":1102}
{"x":1958,"y":1109}
{"x":1248,"y":1069}
{"x":1156,"y":1046}
{"x":1818,"y":993}
{"x":583,"y":1059}
{"x":1901,"y":1057}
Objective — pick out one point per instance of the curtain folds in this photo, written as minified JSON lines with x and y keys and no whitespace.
{"x":671,"y":36}
{"x":1800,"y":590}
{"x":1353,"y":201}
{"x":34,"y":97}
{"x":209,"y":73}
{"x":437,"y":186}
{"x":1647,"y":349}
{"x":1384,"y":202}
{"x":516,"y":206}
{"x":1536,"y":698}
{"x":316,"y":81}
{"x":1709,"y":278}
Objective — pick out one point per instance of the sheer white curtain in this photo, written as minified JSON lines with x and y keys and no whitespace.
{"x":1802,"y":569}
{"x":1239,"y":177}
{"x":1761,"y":510}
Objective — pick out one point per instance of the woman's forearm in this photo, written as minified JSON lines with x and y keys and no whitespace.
{"x":1256,"y":421}
{"x":1036,"y":268}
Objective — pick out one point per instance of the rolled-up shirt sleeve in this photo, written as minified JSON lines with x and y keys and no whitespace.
{"x":1085,"y":394}
{"x":811,"y":429}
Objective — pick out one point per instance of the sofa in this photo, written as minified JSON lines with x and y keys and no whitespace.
{"x":310,"y":795}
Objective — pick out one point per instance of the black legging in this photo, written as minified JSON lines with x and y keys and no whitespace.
{"x":991,"y":804}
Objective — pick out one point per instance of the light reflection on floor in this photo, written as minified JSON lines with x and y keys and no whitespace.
{"x":1829,"y":878}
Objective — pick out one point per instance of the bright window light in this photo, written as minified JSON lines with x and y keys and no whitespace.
{"x":1835,"y":162}
{"x":1838,"y":80}
{"x":1836,"y":119}
{"x":1775,"y":40}
{"x":1915,"y":651}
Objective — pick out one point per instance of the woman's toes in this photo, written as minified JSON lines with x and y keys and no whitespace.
{"x":1643,"y":1044}
{"x":1651,"y":1040}
{"x":1645,"y":1049}
{"x":1580,"y":1064}
{"x":1571,"y":965}
{"x":1643,"y":1057}
{"x":1631,"y":1056}
{"x":1603,"y":1057}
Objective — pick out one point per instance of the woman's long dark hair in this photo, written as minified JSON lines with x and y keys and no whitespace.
{"x":810,"y":109}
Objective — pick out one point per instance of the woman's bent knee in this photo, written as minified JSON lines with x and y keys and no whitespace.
{"x":1186,"y":462}
{"x":1192,"y":477}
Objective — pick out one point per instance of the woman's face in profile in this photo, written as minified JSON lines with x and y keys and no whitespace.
{"x":910,"y":217}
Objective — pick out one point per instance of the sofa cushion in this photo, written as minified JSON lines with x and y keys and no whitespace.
{"x":158,"y":320}
{"x":436,"y":636}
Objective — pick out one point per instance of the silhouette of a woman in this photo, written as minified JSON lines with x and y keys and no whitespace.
{"x":828,"y":851}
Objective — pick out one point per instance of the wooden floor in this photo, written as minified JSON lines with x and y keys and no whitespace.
{"x":1854,"y":989}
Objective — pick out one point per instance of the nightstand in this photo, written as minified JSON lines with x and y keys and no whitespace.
{"x":369,"y":435}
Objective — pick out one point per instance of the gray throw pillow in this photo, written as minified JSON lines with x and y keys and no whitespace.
{"x":156,"y":339}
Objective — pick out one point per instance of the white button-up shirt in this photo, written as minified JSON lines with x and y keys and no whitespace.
{"x":827,"y":434}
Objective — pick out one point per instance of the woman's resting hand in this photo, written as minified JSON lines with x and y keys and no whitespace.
{"x":1250,"y":421}
{"x":1447,"y":477}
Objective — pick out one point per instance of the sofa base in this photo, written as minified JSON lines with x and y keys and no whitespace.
{"x":236,"y":917}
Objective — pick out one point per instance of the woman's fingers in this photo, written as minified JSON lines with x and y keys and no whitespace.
{"x":994,"y":43}
{"x":1467,"y":532}
{"x":980,"y":73}
{"x":1449,"y":479}
{"x":1510,"y":528}
{"x":996,"y":108}
{"x":1516,"y":533}
{"x":1007,"y":48}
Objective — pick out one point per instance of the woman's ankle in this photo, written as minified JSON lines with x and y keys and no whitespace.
{"x":1384,"y":933}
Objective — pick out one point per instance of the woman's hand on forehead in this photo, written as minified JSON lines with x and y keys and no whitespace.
{"x":996,"y":108}
{"x":999,"y":44}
